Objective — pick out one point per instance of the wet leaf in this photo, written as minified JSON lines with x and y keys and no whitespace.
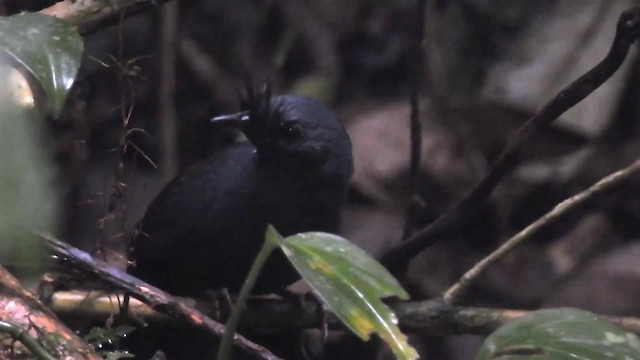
{"x":350,"y":283}
{"x":48,"y":48}
{"x":559,"y":334}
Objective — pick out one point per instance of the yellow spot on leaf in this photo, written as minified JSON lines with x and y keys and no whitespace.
{"x":361,"y":322}
{"x":321,"y":266}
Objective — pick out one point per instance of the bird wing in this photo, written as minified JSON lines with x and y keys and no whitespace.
{"x":209,"y":193}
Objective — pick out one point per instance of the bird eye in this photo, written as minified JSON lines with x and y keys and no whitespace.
{"x":290,"y":129}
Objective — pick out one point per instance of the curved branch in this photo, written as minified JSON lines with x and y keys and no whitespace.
{"x":562,"y":208}
{"x":628,"y":30}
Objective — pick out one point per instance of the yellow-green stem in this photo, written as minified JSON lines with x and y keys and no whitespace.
{"x":270,"y":243}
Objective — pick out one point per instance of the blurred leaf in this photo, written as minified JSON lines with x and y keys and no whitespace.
{"x":317,"y":86}
{"x":350,"y":283}
{"x":27,"y":199}
{"x":48,"y":48}
{"x":559,"y":334}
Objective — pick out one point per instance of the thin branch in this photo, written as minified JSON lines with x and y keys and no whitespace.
{"x":606,"y":183}
{"x":166,"y":97}
{"x":414,"y":121}
{"x":628,"y":30}
{"x":154,"y":297}
{"x":87,"y":15}
{"x":438,"y":319}
{"x":268,"y":315}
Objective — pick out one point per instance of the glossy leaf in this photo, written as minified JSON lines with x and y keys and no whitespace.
{"x":560,"y":334}
{"x":350,"y":283}
{"x":48,"y":48}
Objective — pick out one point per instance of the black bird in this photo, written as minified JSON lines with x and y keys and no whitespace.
{"x":204,"y":229}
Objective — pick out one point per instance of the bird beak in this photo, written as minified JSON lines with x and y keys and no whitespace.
{"x":239,"y":119}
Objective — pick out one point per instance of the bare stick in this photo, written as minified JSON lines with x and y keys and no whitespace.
{"x":454,"y":292}
{"x":628,"y":30}
{"x":149,"y":294}
{"x":414,"y":122}
{"x":166,"y":97}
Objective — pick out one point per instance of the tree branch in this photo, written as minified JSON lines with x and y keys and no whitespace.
{"x":20,"y":309}
{"x":606,"y":183}
{"x":87,"y":15}
{"x":167,"y":114}
{"x":628,"y":30}
{"x":154,"y":297}
{"x":414,"y":121}
{"x":267,"y":315}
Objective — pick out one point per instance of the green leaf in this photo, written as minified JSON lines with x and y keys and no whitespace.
{"x":350,"y":283}
{"x":48,"y":48}
{"x":98,"y":336}
{"x":559,"y":334}
{"x":27,"y":199}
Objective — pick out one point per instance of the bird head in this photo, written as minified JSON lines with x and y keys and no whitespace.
{"x":293,"y":129}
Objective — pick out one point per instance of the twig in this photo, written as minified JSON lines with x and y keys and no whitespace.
{"x":166,"y":102}
{"x":154,"y":297}
{"x":115,"y":203}
{"x":87,"y":15}
{"x":270,"y":244}
{"x":628,"y":30}
{"x":454,"y":292}
{"x":416,"y":128}
{"x":268,"y":315}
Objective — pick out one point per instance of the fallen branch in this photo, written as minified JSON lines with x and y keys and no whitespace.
{"x":157,"y":299}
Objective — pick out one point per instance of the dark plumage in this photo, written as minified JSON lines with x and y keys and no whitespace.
{"x":205,"y":227}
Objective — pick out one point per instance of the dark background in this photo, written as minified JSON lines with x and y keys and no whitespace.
{"x":489,"y":64}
